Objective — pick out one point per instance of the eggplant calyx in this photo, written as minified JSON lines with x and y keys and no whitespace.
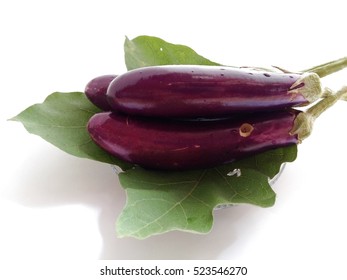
{"x":309,"y":86}
{"x":303,"y":123}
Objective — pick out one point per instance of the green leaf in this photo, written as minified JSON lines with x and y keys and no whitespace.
{"x":269,"y":162}
{"x":150,"y":51}
{"x":61,"y":120}
{"x":158,"y":202}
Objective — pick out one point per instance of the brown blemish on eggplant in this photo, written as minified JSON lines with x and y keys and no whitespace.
{"x":246,"y":130}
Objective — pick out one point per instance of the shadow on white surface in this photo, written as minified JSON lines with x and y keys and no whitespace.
{"x":50,"y":178}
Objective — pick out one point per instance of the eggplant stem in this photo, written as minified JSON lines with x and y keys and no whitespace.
{"x":303,"y":123}
{"x":327,"y":92}
{"x":328,"y":68}
{"x":321,"y":106}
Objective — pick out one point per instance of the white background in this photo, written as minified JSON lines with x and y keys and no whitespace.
{"x":57,"y":207}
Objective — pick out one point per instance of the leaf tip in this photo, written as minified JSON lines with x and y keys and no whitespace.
{"x":12,"y":119}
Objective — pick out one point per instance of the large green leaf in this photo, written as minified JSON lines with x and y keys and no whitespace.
{"x":149,"y":51}
{"x":162,"y":201}
{"x":158,"y":201}
{"x":61,"y":120}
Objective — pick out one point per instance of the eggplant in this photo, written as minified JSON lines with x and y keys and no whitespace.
{"x":191,"y":144}
{"x":96,"y":91}
{"x":181,"y":91}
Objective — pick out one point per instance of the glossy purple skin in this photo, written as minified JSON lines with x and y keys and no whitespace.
{"x":184,"y":145}
{"x":96,"y":91}
{"x":200,"y":91}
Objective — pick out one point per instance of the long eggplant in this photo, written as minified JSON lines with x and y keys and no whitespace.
{"x":96,"y":90}
{"x":208,"y":91}
{"x":182,"y":145}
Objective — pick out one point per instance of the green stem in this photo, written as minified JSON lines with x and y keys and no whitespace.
{"x":329,"y":67}
{"x":303,"y":123}
{"x":316,"y":110}
{"x":327,"y":92}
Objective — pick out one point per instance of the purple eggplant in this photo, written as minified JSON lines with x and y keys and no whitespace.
{"x":208,"y":91}
{"x":190,"y":144}
{"x":96,"y":91}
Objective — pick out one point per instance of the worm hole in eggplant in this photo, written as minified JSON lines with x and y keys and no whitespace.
{"x":246,"y":130}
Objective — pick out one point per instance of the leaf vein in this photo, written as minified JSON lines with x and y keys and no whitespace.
{"x":164,"y":184}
